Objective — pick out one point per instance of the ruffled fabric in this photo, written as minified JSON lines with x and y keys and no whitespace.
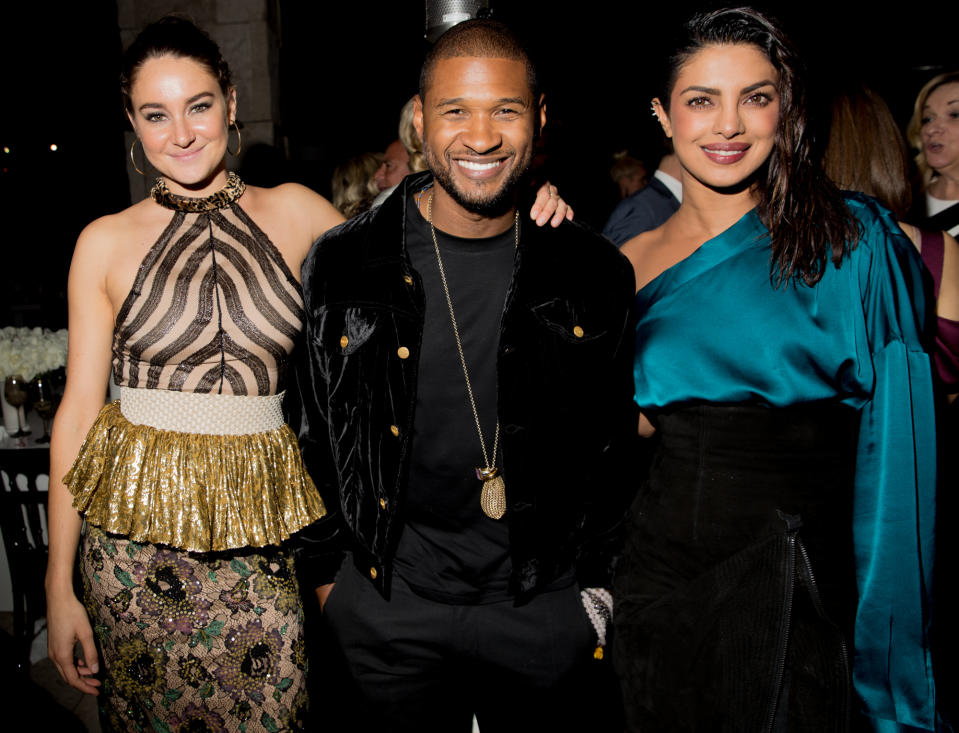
{"x":195,"y":492}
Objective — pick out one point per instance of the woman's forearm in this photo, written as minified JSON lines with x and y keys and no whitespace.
{"x":63,"y":521}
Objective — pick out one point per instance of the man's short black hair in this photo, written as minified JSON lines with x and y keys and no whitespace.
{"x":480,"y":38}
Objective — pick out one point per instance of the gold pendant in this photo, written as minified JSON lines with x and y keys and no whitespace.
{"x":493,"y":496}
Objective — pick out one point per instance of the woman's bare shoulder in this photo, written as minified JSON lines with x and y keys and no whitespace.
{"x":287,"y":196}
{"x":112,"y":230}
{"x":645,"y":251}
{"x":947,"y":305}
{"x":913,"y":233}
{"x":284,"y":193}
{"x":298,"y":203}
{"x":641,"y":244}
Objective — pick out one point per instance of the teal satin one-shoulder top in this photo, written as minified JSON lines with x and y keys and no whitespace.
{"x":714,"y":328}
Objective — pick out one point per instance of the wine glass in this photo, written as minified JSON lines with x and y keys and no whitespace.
{"x":15,"y":390}
{"x":45,"y":403}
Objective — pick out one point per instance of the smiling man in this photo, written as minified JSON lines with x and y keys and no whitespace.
{"x":468,"y":417}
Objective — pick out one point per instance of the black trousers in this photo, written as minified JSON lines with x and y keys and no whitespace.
{"x":427,"y":666}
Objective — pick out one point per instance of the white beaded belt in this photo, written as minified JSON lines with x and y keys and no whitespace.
{"x":208,"y":414}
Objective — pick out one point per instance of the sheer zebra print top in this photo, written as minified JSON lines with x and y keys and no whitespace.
{"x":213,"y":308}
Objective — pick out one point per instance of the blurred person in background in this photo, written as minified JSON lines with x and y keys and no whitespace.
{"x":649,"y":207}
{"x":934,"y":132}
{"x":866,"y":153}
{"x":353,"y":186}
{"x":628,"y":173}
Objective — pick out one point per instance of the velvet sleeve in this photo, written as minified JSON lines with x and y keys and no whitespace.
{"x":894,"y":508}
{"x":618,"y":473}
{"x":320,"y":547}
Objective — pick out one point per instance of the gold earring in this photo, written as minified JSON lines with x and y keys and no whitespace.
{"x":132,"y":159}
{"x":239,"y":139}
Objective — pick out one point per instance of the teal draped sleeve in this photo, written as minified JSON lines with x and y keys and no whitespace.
{"x":894,"y":505}
{"x":713,"y":328}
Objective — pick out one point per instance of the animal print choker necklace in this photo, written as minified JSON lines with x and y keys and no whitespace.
{"x":233,"y":189}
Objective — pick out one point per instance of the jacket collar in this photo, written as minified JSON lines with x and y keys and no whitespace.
{"x":381,"y":245}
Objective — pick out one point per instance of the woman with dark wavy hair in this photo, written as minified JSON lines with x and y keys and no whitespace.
{"x":780,"y":552}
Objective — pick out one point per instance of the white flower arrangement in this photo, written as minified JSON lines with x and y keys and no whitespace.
{"x":31,"y":351}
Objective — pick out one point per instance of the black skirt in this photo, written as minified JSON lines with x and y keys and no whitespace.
{"x":736,"y":596}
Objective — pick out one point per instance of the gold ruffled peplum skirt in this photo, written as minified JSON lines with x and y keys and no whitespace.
{"x":192,"y":491}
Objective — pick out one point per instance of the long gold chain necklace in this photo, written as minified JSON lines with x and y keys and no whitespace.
{"x":493,"y":495}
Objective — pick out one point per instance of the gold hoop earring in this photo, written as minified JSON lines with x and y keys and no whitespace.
{"x":239,"y":139}
{"x":132,"y":159}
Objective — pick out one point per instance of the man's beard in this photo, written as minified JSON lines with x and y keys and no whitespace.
{"x":488,"y":205}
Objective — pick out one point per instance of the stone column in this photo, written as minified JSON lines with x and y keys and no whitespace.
{"x":246,"y":32}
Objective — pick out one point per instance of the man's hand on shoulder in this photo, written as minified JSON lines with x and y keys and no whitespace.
{"x":550,"y":207}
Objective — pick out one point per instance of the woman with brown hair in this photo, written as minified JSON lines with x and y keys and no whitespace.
{"x":866,"y":153}
{"x":780,"y":553}
{"x":191,"y":484}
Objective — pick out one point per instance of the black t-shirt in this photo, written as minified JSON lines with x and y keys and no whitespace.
{"x":450,"y":551}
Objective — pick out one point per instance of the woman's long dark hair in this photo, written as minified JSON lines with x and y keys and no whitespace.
{"x":807,"y":219}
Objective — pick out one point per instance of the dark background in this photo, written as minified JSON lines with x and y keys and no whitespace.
{"x":345,"y":69}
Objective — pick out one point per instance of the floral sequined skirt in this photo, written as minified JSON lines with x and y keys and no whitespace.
{"x":195,"y":642}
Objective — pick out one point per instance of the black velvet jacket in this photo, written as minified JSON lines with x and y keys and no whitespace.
{"x":564,"y":364}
